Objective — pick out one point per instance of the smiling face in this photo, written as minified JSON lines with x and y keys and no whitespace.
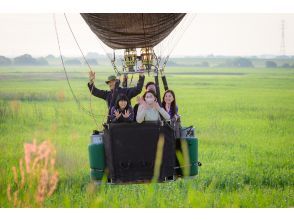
{"x":150,"y":98}
{"x":111,"y":84}
{"x":122,"y":104}
{"x":168,"y":98}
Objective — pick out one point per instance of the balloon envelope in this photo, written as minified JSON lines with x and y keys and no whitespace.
{"x":132,"y":30}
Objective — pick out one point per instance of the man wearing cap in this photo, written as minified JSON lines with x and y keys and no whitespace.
{"x":115,"y":89}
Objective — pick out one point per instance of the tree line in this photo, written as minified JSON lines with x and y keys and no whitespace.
{"x":29,"y":60}
{"x":92,"y":59}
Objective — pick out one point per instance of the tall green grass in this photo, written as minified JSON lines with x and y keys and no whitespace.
{"x":243,"y":118}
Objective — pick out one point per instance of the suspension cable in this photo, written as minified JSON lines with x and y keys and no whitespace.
{"x":67,"y":78}
{"x":90,"y":102}
{"x":188,"y":23}
{"x":77,"y":42}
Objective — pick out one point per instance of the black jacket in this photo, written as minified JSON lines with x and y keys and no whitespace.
{"x":110,"y":96}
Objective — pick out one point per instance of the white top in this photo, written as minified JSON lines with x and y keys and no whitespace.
{"x":150,"y":114}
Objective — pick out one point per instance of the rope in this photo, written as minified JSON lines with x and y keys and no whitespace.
{"x":112,"y":61}
{"x":90,"y":102}
{"x":67,"y":78}
{"x":189,"y":22}
{"x":145,"y":40}
{"x":114,"y":65}
{"x":77,"y":42}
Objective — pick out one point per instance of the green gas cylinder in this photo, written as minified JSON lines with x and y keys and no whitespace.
{"x":97,"y":156}
{"x":192,"y":144}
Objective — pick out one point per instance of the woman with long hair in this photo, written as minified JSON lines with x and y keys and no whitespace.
{"x":149,"y":109}
{"x":169,"y":104}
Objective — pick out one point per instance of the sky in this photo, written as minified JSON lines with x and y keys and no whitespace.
{"x":217,"y":34}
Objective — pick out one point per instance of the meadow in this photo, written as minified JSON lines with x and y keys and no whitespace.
{"x":244,"y":120}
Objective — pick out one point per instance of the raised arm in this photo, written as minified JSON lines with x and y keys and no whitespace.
{"x":94,"y":91}
{"x":97,"y":92}
{"x":141,"y":114}
{"x":134,"y":91}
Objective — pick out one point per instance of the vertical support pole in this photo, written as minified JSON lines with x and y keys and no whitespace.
{"x":164,"y":82}
{"x":157,"y":86}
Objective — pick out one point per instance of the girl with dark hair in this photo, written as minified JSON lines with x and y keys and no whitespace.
{"x":149,"y":109}
{"x":169,"y":104}
{"x":122,"y":110}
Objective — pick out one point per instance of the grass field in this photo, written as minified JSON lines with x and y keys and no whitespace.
{"x":244,"y":120}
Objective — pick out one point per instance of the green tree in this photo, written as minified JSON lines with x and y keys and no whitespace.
{"x":4,"y":61}
{"x":25,"y":59}
{"x":270,"y":64}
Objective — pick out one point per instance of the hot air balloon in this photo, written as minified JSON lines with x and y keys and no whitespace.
{"x":129,"y":152}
